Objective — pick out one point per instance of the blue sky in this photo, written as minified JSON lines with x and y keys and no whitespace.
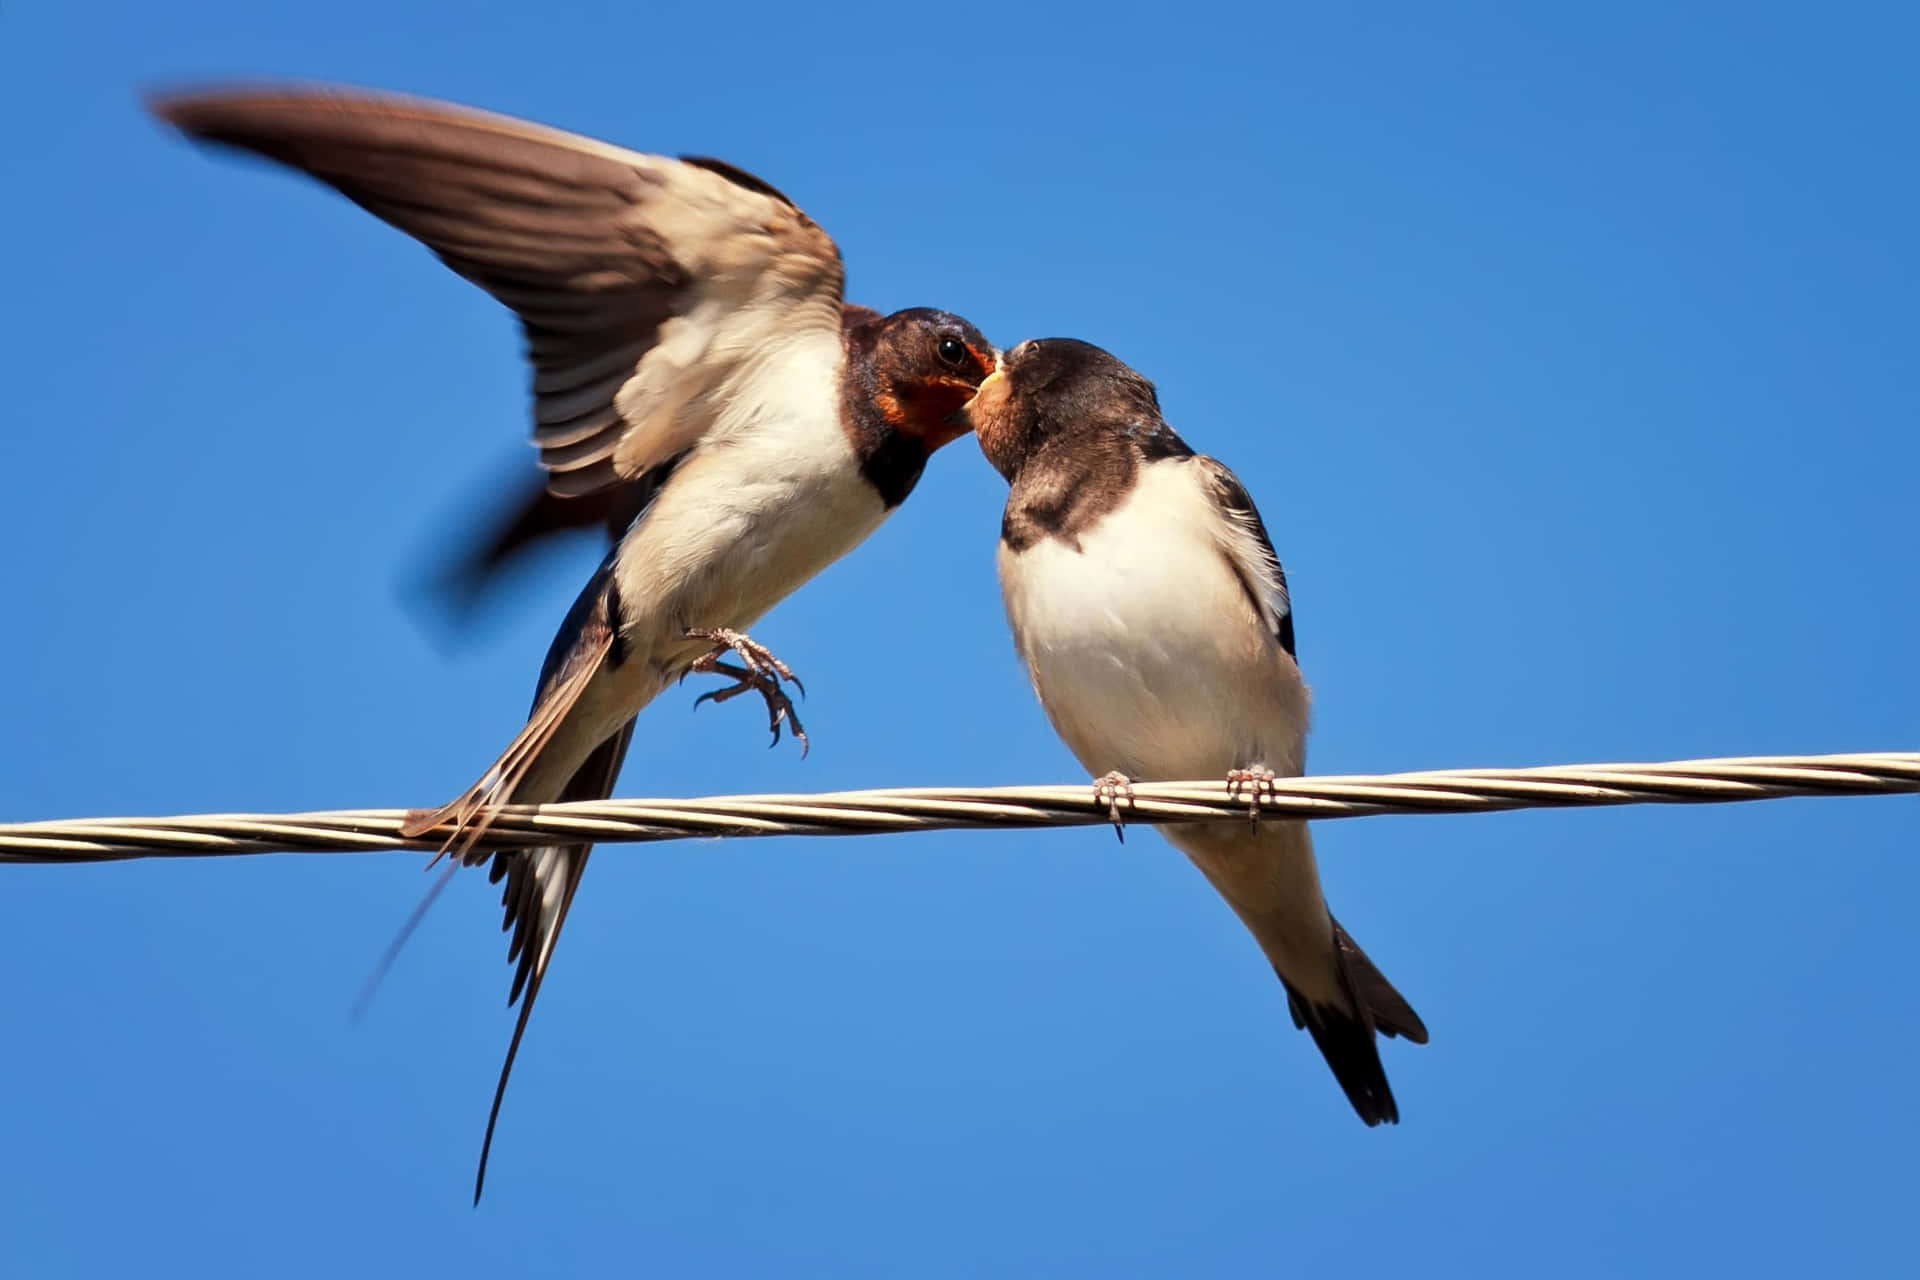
{"x":1570,"y":360}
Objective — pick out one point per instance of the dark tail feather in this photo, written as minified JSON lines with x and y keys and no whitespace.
{"x":1346,"y":1038}
{"x":532,"y":973}
{"x":534,"y":936}
{"x":1348,"y":1045}
{"x":371,"y":987}
{"x":1392,"y":1015}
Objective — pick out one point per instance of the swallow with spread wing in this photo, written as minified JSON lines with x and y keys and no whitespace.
{"x":700,"y":385}
{"x":1153,"y":618}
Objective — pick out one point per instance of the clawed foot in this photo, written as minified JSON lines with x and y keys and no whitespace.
{"x":759,"y":673}
{"x":1111,"y":790}
{"x":1260,"y":778}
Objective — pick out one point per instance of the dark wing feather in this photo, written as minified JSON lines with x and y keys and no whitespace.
{"x":516,"y":522}
{"x":1254,"y":560}
{"x":740,"y":177}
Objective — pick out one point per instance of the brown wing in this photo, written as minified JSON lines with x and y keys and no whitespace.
{"x":644,"y":285}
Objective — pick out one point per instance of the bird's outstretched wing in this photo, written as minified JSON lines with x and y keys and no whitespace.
{"x":646,"y":286}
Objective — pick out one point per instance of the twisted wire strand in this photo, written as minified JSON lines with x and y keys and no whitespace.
{"x":845,"y":813}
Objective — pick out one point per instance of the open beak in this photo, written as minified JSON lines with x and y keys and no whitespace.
{"x":962,"y":419}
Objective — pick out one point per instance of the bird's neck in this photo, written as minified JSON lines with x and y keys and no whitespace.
{"x":892,"y":454}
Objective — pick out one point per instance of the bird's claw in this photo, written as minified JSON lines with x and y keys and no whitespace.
{"x":760,"y":672}
{"x":757,"y":657}
{"x":1260,"y":779}
{"x":1111,"y":790}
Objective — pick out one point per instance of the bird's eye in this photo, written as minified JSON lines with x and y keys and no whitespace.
{"x":952,"y":351}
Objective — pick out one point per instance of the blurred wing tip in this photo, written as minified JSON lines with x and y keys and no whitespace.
{"x":211,"y":109}
{"x":187,"y":105}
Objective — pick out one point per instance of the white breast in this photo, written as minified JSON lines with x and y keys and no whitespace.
{"x":1143,"y":646}
{"x":771,"y":495}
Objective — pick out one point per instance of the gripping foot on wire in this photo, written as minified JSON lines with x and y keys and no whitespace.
{"x":1260,"y":780}
{"x":1111,"y":790}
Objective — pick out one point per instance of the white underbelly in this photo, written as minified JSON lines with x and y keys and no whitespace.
{"x":1148,"y":656}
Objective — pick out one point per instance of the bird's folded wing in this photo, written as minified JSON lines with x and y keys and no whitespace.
{"x":1250,"y":550}
{"x":644,"y":285}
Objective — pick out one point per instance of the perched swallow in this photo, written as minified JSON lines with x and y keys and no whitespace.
{"x":1153,"y":617}
{"x":700,"y":386}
